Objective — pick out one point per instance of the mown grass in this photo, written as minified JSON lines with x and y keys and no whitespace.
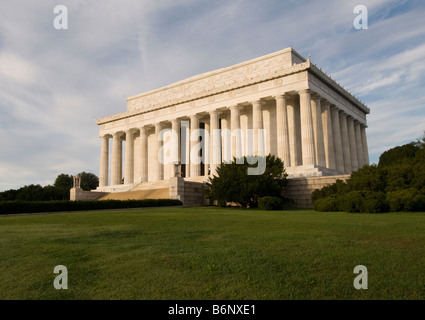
{"x":212,"y":253}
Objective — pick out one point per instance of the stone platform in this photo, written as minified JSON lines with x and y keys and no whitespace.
{"x":189,"y":191}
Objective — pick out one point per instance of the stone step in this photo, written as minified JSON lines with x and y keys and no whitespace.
{"x":163,"y":193}
{"x":162,"y":184}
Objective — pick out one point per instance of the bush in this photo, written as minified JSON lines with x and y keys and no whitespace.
{"x":328,"y":204}
{"x":363,"y":202}
{"x":396,"y":184}
{"x":399,"y":154}
{"x":369,"y":178}
{"x":337,"y":189}
{"x":419,"y":202}
{"x":406,"y":200}
{"x":270,"y":203}
{"x":375,"y":202}
{"x":234,"y":184}
{"x":351,"y":202}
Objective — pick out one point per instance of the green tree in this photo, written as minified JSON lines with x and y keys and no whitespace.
{"x":397,"y":183}
{"x":233,"y":183}
{"x":30,"y":193}
{"x":8,"y":195}
{"x":52,"y":193}
{"x":369,"y":178}
{"x":63,"y":181}
{"x":399,"y":154}
{"x":89,"y":181}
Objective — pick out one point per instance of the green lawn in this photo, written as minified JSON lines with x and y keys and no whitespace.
{"x":212,"y":253}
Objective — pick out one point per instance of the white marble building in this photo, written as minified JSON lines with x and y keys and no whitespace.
{"x":280,"y":103}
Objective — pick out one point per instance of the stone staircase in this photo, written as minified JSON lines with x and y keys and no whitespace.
{"x":151,"y":185}
{"x":143,"y":190}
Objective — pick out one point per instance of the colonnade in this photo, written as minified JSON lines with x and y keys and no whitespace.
{"x":305,"y":130}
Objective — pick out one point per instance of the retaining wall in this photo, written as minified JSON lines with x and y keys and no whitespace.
{"x":300,"y":189}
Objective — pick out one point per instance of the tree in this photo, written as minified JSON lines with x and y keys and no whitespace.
{"x":63,"y":181}
{"x":89,"y":181}
{"x":233,"y":183}
{"x":397,"y":183}
{"x":52,"y":193}
{"x":30,"y":193}
{"x":399,"y":154}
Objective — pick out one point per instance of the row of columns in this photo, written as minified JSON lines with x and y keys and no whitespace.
{"x":313,"y":134}
{"x":330,"y":138}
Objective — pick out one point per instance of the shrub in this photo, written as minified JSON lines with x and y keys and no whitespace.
{"x":337,"y":189}
{"x":396,"y":184}
{"x":363,"y":201}
{"x":399,"y":154}
{"x":418,"y":174}
{"x":351,"y":202}
{"x":270,"y":203}
{"x":369,"y":178}
{"x":419,"y":202}
{"x":233,"y":184}
{"x":406,"y":200}
{"x":328,"y":204}
{"x":374,"y":202}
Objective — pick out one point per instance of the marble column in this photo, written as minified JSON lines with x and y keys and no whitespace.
{"x":353,"y":144}
{"x":116,"y":165}
{"x":359,"y":147}
{"x":316,"y":108}
{"x":104,"y":161}
{"x":307,"y":135}
{"x":159,"y":159}
{"x":292,"y":131}
{"x":143,"y":155}
{"x":328,"y":136}
{"x":215,"y":145}
{"x":226,"y":147}
{"x":175,"y":148}
{"x":257,"y":122}
{"x":336,"y":133}
{"x":345,"y":143}
{"x":195,"y":167}
{"x":282,"y":130}
{"x":206,"y":139}
{"x":235,"y":128}
{"x":129,"y":157}
{"x":364,"y":144}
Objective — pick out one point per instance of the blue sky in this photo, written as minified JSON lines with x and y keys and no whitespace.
{"x":54,"y":84}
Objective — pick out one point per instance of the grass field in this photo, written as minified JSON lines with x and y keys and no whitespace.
{"x":212,"y":253}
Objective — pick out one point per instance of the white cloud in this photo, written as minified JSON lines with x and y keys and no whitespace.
{"x":16,"y":69}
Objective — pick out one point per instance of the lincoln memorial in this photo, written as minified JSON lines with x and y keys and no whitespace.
{"x":280,"y":103}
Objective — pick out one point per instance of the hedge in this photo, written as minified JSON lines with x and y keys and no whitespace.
{"x":363,"y":202}
{"x":354,"y":201}
{"x":270,"y":203}
{"x":16,"y":207}
{"x":328,"y":204}
{"x":406,"y":200}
